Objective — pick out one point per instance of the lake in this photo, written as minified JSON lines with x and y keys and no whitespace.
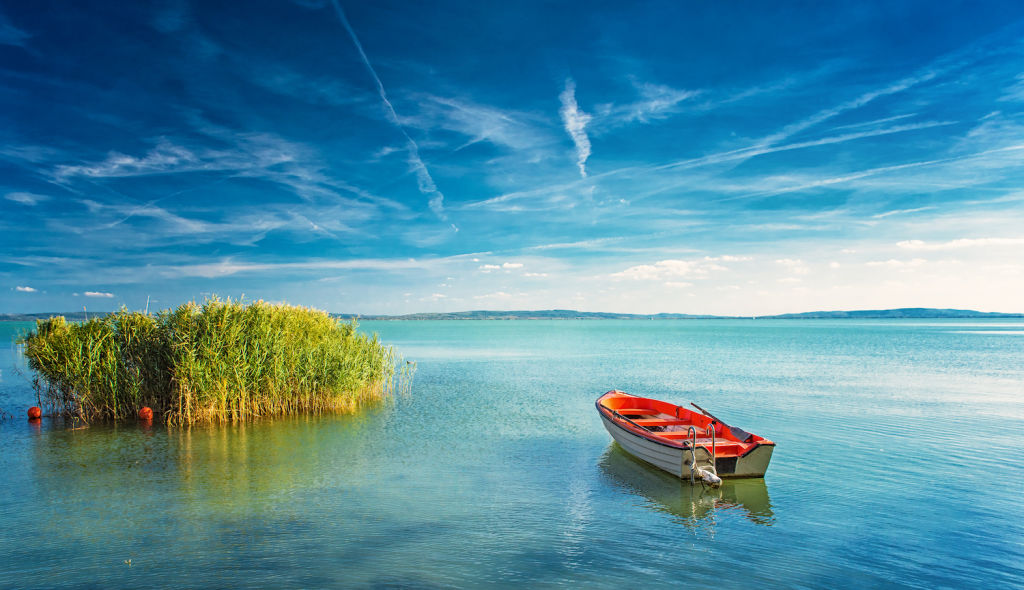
{"x":898,"y":465}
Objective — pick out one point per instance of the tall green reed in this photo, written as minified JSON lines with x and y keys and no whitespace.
{"x":219,"y":361}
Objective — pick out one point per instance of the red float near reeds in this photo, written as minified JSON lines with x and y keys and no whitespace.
{"x":145,"y":413}
{"x":35,"y":413}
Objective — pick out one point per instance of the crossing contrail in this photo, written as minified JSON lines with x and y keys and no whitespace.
{"x":423,"y":178}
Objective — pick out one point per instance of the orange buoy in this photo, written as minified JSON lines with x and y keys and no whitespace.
{"x":34,"y":413}
{"x":145,"y":413}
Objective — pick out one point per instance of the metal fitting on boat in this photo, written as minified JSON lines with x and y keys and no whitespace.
{"x":709,"y":478}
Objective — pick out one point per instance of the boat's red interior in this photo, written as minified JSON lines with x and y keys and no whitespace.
{"x":670,"y":423}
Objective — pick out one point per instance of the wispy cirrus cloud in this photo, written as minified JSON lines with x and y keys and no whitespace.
{"x":310,"y":89}
{"x":1015,"y":93}
{"x":247,"y":152}
{"x":901,"y":212}
{"x":173,"y":223}
{"x":12,"y":35}
{"x":99,"y":294}
{"x":29,"y":199}
{"x":656,"y":101}
{"x":481,"y":123}
{"x":770,"y":147}
{"x":575,"y":122}
{"x":862,"y":100}
{"x":149,"y":224}
{"x":261,"y":156}
{"x":1004,"y":156}
{"x":230,"y":266}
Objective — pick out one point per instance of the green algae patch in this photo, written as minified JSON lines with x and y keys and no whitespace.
{"x":221,"y":361}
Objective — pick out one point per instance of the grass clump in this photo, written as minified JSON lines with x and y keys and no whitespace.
{"x":220,"y":361}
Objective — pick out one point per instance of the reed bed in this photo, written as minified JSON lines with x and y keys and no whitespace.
{"x":220,"y":361}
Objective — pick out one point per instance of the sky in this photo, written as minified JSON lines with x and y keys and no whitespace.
{"x":731,"y":158}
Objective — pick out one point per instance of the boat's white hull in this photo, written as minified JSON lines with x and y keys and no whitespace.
{"x":675,"y":460}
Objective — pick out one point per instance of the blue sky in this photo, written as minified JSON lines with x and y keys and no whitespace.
{"x":395,"y":157}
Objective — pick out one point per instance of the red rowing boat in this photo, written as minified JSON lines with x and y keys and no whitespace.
{"x":685,"y":443}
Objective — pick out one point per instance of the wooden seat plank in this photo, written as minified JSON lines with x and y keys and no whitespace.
{"x":659,"y":421}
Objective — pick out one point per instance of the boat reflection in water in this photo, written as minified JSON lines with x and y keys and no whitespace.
{"x":692,"y":505}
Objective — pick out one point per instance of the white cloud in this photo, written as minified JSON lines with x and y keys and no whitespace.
{"x":99,"y":294}
{"x":29,"y":199}
{"x":505,"y":266}
{"x":795,"y":266}
{"x":667,"y":270}
{"x":24,"y":289}
{"x":893,"y":263}
{"x":656,"y":271}
{"x":535,"y":274}
{"x":575,"y":122}
{"x":960,"y":243}
{"x":728,"y":258}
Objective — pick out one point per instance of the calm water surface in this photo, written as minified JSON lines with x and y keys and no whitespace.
{"x":899,"y":463}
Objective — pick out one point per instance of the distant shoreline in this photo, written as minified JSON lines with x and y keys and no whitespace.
{"x":568,"y":314}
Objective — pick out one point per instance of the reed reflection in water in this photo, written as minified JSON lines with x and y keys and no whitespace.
{"x":693,"y":506}
{"x":155,"y":497}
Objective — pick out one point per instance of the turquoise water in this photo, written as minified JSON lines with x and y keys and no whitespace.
{"x":898,"y":465}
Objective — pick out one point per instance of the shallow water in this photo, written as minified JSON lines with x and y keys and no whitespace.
{"x":897,"y":465}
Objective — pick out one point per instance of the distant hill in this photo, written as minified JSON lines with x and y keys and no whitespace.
{"x":548,"y":314}
{"x":569,"y":314}
{"x":906,"y":312}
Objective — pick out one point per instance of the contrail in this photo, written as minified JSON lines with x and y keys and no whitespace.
{"x":575,"y":122}
{"x":423,"y":178}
